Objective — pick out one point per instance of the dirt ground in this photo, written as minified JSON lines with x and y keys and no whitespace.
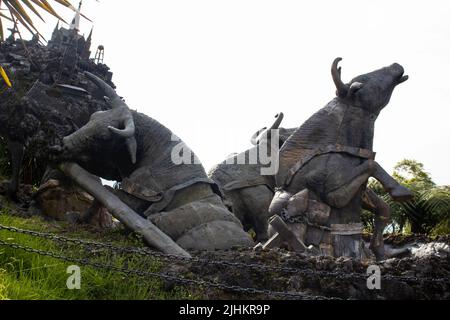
{"x":319,"y":277}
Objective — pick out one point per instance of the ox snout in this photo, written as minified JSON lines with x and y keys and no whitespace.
{"x":64,"y":151}
{"x":398,"y":72}
{"x":59,"y":152}
{"x":397,"y":68}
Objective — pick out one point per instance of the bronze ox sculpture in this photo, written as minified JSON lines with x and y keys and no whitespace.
{"x":137,"y":151}
{"x":326,"y":163}
{"x":247,"y":192}
{"x":324,"y":166}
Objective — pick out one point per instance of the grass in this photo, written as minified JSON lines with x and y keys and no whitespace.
{"x":28,"y":276}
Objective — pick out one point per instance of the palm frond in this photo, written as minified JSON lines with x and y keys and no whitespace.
{"x":437,"y":201}
{"x":20,"y":11}
{"x":32,"y":8}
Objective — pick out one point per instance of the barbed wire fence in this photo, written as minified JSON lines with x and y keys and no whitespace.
{"x":146,"y":252}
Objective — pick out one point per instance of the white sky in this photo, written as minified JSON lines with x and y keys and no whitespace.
{"x":214,"y":72}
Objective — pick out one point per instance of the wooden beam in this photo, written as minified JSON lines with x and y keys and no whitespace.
{"x":152,"y":234}
{"x":286,"y":234}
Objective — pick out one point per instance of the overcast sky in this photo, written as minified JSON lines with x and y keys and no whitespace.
{"x":214,"y":72}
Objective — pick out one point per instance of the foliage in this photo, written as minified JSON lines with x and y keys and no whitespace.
{"x":412,"y":174}
{"x":368,"y":220}
{"x":18,"y":13}
{"x":32,"y":169}
{"x":429,"y":211}
{"x":33,"y":277}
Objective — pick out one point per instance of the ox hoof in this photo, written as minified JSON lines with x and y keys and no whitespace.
{"x":378,"y":250}
{"x":401,"y":194}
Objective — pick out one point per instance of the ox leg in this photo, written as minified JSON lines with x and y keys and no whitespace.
{"x":396,"y":190}
{"x":342,"y":195}
{"x":373,"y":203}
{"x":16,"y":151}
{"x":257,"y":200}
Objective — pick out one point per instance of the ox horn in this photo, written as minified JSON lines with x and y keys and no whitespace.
{"x":116,"y":102}
{"x":279,"y":118}
{"x":264,"y":131}
{"x":112,"y":97}
{"x":342,"y":88}
{"x":354,"y":87}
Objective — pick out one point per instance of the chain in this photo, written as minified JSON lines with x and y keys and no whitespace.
{"x":172,"y":258}
{"x":302,"y":219}
{"x":340,"y":275}
{"x":167,"y":277}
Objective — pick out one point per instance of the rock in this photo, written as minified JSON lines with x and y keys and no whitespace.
{"x":56,"y":201}
{"x":66,"y":202}
{"x":439,"y":249}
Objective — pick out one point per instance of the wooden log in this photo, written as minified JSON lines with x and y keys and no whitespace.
{"x":274,"y":242}
{"x":152,"y":235}
{"x":258,"y":246}
{"x":286,"y":234}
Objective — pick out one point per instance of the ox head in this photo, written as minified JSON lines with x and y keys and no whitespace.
{"x":105,"y":131}
{"x":371,"y":91}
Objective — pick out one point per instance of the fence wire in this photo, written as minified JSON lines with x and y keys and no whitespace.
{"x":167,"y":277}
{"x":339,"y":275}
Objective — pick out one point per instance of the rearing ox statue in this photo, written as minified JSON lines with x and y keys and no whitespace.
{"x":326,"y":163}
{"x":136,"y":150}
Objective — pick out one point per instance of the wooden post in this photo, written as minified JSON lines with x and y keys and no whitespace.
{"x":152,"y":235}
{"x":346,"y":240}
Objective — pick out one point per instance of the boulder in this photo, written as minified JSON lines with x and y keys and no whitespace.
{"x":66,"y":202}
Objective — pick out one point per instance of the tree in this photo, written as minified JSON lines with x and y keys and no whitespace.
{"x":429,"y":211}
{"x":412,"y":174}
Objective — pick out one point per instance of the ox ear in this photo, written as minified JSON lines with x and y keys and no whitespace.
{"x":355,"y":86}
{"x":128,"y":132}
